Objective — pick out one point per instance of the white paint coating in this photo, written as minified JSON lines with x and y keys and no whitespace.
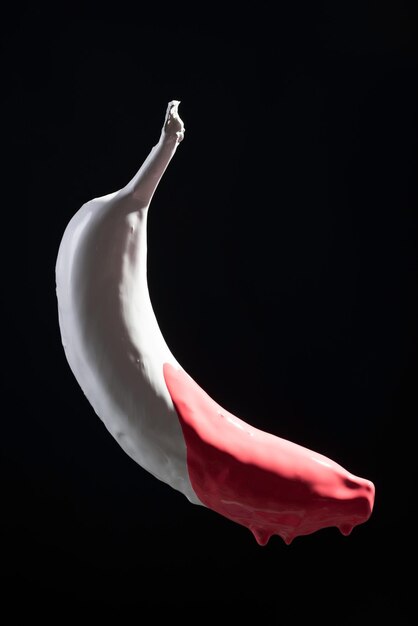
{"x":109,"y":331}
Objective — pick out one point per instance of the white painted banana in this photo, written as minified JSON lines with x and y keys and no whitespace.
{"x":109,"y":331}
{"x":157,"y":413}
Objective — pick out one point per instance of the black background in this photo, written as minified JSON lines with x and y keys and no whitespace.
{"x":283,"y":272}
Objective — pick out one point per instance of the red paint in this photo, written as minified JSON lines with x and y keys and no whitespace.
{"x":269,"y":484}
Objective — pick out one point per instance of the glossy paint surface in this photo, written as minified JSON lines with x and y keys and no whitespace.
{"x":269,"y":484}
{"x":156,"y":412}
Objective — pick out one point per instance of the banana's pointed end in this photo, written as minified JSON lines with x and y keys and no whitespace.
{"x":173,"y":124}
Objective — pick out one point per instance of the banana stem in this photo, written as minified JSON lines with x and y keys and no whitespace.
{"x":145,"y":182}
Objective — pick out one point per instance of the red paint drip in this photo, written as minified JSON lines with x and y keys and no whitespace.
{"x":269,"y":484}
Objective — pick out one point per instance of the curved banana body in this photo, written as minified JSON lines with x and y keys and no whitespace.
{"x":155,"y":411}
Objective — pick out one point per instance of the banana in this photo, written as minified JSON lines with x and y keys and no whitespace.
{"x":157,"y":413}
